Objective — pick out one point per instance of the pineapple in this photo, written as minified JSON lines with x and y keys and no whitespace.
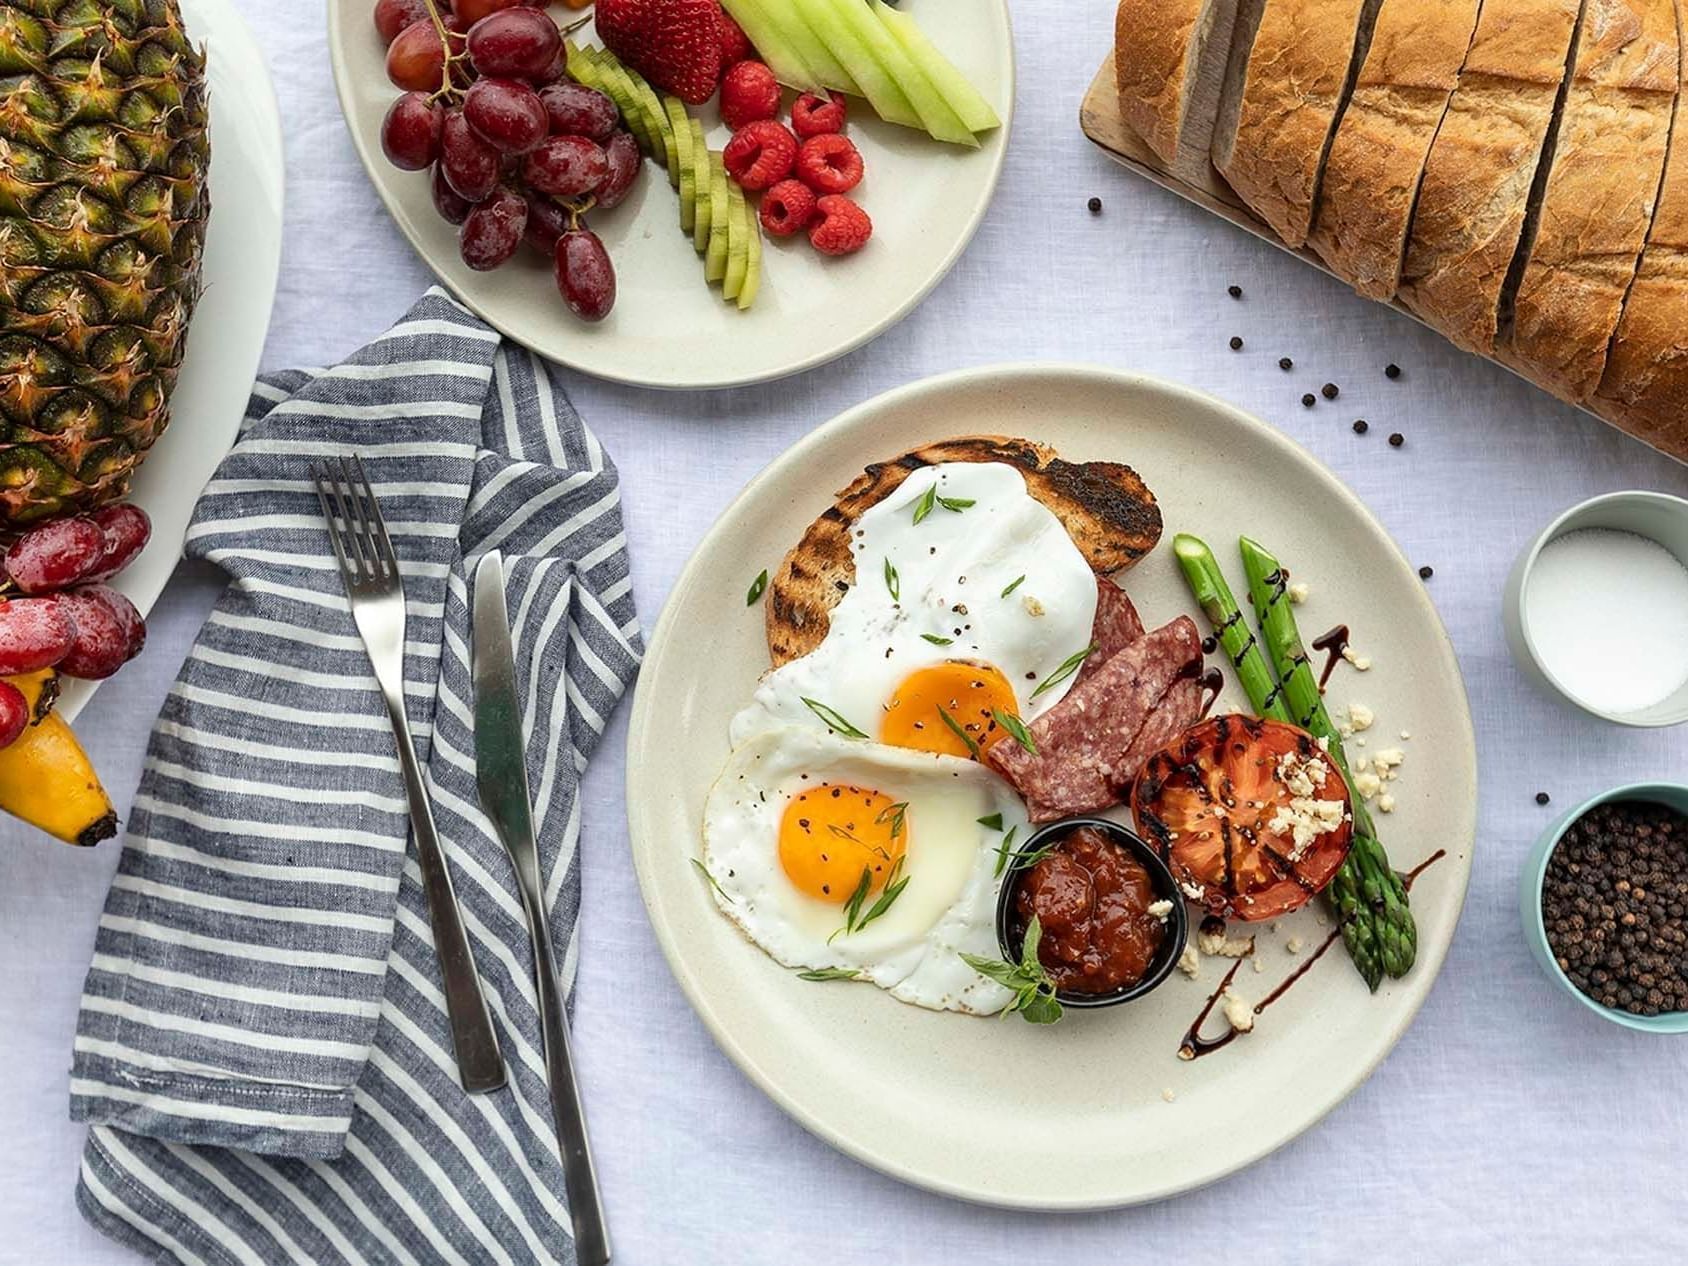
{"x":103,"y":157}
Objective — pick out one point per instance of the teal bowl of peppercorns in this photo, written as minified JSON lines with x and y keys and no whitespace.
{"x":1604,"y":895}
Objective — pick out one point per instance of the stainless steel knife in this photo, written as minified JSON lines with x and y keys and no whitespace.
{"x":501,"y":775}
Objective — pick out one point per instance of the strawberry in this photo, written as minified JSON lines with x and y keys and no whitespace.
{"x":676,"y":44}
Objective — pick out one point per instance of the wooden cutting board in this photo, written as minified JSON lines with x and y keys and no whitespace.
{"x":1099,"y":116}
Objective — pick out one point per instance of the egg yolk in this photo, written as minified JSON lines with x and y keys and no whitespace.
{"x":967,"y":693}
{"x":831,"y":833}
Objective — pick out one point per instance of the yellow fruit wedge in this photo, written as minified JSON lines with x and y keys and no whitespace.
{"x":753,"y":266}
{"x":47,"y":780}
{"x":738,"y":242}
{"x":40,"y":691}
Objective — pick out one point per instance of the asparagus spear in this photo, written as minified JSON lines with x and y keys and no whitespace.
{"x":1369,"y":871}
{"x":1207,"y":584}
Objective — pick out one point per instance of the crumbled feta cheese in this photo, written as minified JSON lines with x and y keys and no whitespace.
{"x":1169,"y":1094}
{"x":1032,"y":605}
{"x":1302,"y":775}
{"x":1293,"y":945}
{"x":1361,"y":662}
{"x":1304,"y":818}
{"x":1298,"y":593}
{"x":1194,"y":891}
{"x":1218,"y":945}
{"x":1160,"y":909}
{"x":1367,"y":783}
{"x":1386,"y":761}
{"x":1386,"y":803}
{"x":1259,"y":967}
{"x":1190,"y":962}
{"x":1238,"y":1010}
{"x":1360,"y":717}
{"x":1405,"y":735}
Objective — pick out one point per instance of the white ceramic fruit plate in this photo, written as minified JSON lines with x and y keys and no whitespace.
{"x":1074,"y":1116}
{"x":226,"y":337}
{"x":669,"y":329}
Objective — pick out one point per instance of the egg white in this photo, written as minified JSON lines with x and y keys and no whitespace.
{"x":999,"y":578}
{"x":914,"y":949}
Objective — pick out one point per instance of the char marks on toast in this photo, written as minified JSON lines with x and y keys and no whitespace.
{"x":1107,"y":510}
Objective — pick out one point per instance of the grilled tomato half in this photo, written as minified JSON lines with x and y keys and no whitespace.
{"x":1252,"y":816}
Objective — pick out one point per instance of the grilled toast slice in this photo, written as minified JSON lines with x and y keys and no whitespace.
{"x":1106,"y":508}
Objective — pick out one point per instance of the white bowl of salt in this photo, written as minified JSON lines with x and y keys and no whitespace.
{"x":1597,"y":608}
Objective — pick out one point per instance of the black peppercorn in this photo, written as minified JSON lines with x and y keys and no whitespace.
{"x":1426,"y":572}
{"x":1236,"y":343}
{"x":1396,"y":440}
{"x":1542,"y":797}
{"x":1330,"y":391}
{"x":1391,"y":371}
{"x":1285,"y":364}
{"x":1361,"y":426}
{"x":1309,"y":400}
{"x":1095,"y":205}
{"x":1236,"y":292}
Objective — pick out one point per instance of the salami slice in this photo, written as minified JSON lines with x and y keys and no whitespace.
{"x":1087,"y":745}
{"x":1117,"y":626}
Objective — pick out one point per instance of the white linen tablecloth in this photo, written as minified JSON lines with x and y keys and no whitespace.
{"x":1509,"y":1122}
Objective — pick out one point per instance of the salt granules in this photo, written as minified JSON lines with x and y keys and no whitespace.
{"x":1608,"y":612}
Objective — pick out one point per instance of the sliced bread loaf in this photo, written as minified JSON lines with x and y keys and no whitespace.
{"x":1644,"y":388}
{"x":1291,"y":66}
{"x":1475,"y":193}
{"x":1598,"y":201}
{"x":1169,"y":60}
{"x":1372,"y":175}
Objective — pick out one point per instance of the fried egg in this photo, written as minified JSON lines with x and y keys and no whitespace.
{"x":970,"y":600}
{"x":864,"y":860}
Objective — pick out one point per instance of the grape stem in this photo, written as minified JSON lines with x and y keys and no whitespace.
{"x":576,"y":211}
{"x":447,"y":89}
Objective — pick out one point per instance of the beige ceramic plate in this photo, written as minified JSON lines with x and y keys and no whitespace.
{"x":671,"y":330}
{"x":1071,"y":1117}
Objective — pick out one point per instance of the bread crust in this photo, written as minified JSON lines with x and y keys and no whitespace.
{"x":1106,"y":508}
{"x":1152,"y":44}
{"x":1644,"y":387}
{"x":1372,"y":175}
{"x":1290,"y":95}
{"x":1599,"y":197}
{"x":1474,"y":195}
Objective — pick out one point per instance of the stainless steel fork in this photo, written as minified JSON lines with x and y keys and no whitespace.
{"x":370,"y":571}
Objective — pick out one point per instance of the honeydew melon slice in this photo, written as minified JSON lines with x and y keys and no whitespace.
{"x":849,"y":27}
{"x":878,"y":85}
{"x":763,"y":27}
{"x":967,"y":101}
{"x":715,"y":260}
{"x":809,"y":45}
{"x":752,"y":266}
{"x":701,"y":216}
{"x":738,"y":245}
{"x":683,"y":173}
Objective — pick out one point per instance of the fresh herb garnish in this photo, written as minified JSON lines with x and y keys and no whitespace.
{"x":960,"y":733}
{"x":713,"y":882}
{"x":892,"y":582}
{"x":895,"y":814}
{"x":924,"y":506}
{"x":1069,"y":666}
{"x":1013,"y":585}
{"x":893,"y":889}
{"x":994,"y":821}
{"x":830,"y":973}
{"x":834,"y":721}
{"x":938,"y":641}
{"x":841,"y":833}
{"x":1034,"y":992}
{"x":1016,"y":729}
{"x":1025,"y":861}
{"x":956,"y":504}
{"x":758,"y":587}
{"x":1005,"y":850}
{"x":853,"y":906}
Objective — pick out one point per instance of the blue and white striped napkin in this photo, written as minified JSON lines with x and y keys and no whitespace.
{"x":263,"y":1052}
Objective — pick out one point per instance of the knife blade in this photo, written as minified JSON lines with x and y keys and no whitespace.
{"x":501,"y":778}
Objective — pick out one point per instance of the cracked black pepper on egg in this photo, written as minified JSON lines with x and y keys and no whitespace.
{"x":1615,"y":906}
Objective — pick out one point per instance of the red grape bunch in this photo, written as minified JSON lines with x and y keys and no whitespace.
{"x":518,"y":152}
{"x":57,"y":611}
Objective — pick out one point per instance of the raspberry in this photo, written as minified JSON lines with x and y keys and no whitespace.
{"x":843,"y":228}
{"x":749,"y":92}
{"x":787,"y":208}
{"x":760,"y":154}
{"x":829,"y":163}
{"x":735,"y":44}
{"x":815,"y":116}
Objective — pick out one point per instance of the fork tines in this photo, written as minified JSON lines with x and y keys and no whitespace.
{"x":359,"y":533}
